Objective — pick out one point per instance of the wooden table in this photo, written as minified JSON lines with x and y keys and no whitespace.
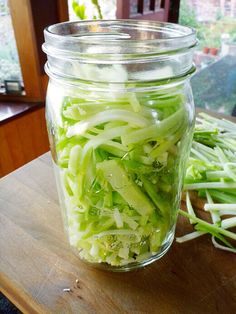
{"x":36,"y":263}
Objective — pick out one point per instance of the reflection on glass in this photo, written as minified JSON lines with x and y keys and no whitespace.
{"x":9,"y":61}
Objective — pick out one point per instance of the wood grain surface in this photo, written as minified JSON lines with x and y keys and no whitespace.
{"x":36,"y":263}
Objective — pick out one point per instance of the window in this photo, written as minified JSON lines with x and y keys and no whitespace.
{"x":214,"y":84}
{"x":29,"y":18}
{"x":9,"y":60}
{"x":108,"y":9}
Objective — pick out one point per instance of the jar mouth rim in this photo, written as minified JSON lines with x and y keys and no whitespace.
{"x":117,"y":39}
{"x":152,"y":26}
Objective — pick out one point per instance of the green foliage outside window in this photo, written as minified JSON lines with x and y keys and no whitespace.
{"x":187,"y":15}
{"x":208,"y":33}
{"x":80,"y":9}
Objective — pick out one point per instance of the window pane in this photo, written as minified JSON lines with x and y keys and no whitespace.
{"x":108,"y":9}
{"x":9,"y":61}
{"x":214,"y":84}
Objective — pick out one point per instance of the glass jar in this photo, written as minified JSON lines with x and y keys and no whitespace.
{"x":120,"y":117}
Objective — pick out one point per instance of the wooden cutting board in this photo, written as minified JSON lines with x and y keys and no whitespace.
{"x":36,"y":264}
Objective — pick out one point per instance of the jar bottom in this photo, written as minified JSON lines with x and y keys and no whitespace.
{"x":133,"y":266}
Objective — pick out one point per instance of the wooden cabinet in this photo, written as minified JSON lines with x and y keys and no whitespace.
{"x":22,"y":139}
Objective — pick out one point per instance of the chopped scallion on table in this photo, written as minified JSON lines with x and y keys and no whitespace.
{"x":212,"y":172}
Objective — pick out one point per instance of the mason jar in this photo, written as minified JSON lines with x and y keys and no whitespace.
{"x":120,"y":118}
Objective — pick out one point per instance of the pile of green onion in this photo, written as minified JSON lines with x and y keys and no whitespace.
{"x":212,"y":172}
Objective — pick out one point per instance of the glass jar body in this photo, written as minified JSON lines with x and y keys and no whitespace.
{"x":119,"y":152}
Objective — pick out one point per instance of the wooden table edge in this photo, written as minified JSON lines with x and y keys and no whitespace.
{"x":11,"y":290}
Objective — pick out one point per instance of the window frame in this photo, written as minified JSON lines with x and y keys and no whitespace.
{"x":35,"y":82}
